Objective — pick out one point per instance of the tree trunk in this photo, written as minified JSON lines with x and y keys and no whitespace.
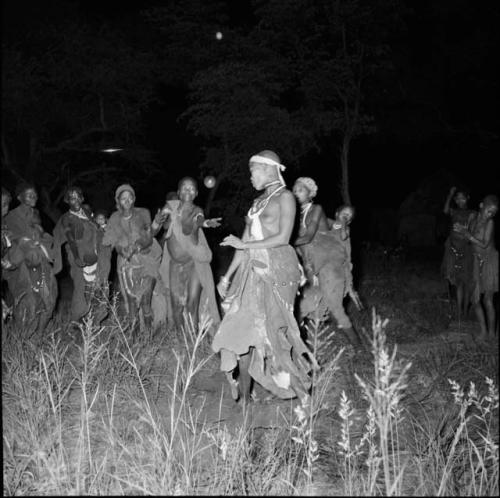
{"x":48,"y":207}
{"x":344,"y":162}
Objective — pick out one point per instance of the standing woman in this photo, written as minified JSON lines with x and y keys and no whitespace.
{"x":77,"y":230}
{"x":484,"y":276}
{"x":326,"y":253}
{"x":259,"y":333}
{"x":457,"y":260}
{"x":129,"y":232}
{"x":31,"y":279}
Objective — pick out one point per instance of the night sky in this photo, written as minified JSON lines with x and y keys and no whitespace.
{"x":441,"y":110}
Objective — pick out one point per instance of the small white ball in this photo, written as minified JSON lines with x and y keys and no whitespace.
{"x":209,"y":181}
{"x":218,"y":35}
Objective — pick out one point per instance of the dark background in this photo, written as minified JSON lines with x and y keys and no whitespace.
{"x":440,"y":112}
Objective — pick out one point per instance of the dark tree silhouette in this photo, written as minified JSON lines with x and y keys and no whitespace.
{"x":84,"y":89}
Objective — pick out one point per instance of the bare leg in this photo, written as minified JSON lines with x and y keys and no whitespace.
{"x":145,"y":305}
{"x":478,"y":308}
{"x":490,"y":313}
{"x":193,"y":299}
{"x":245,"y":380}
{"x":460,"y":300}
{"x":175,"y":295}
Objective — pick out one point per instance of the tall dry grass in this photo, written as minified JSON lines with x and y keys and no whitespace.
{"x":113,"y":416}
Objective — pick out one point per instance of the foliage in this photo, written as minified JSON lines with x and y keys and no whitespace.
{"x":81,"y":89}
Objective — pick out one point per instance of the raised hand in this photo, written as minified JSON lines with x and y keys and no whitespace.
{"x":212,"y":222}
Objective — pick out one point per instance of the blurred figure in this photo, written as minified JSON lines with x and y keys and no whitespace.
{"x":103,"y":252}
{"x":31,"y":279}
{"x":128,"y":231}
{"x":185,"y":266}
{"x":457,"y":260}
{"x":6,"y":264}
{"x":485,"y":263}
{"x":325,"y":250}
{"x":77,"y":230}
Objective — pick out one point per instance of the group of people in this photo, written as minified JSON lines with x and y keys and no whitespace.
{"x":470,"y":262}
{"x":169,"y":278}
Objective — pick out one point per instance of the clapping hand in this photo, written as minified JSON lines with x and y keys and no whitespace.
{"x":222,"y":287}
{"x":233,"y":241}
{"x":161,"y":216}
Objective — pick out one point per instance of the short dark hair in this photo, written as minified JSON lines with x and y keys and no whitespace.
{"x":185,"y":179}
{"x":344,"y":206}
{"x":23,"y":186}
{"x":100,"y":211}
{"x":172,"y":196}
{"x":490,"y":199}
{"x":72,"y":188}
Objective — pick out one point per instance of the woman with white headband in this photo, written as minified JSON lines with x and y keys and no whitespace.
{"x":325,"y":252}
{"x":259,"y":332}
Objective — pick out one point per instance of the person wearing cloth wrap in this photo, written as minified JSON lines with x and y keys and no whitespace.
{"x":457,"y":259}
{"x":31,"y":279}
{"x":326,"y":254}
{"x":259,"y":333}
{"x":129,"y":232}
{"x":484,"y":281}
{"x":185,"y":266}
{"x":6,"y":245}
{"x":77,"y":230}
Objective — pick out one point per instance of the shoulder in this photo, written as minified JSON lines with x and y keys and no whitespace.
{"x":142,"y":213}
{"x":13,"y":213}
{"x":114,"y":218}
{"x":317,"y":210}
{"x":286,"y":196}
{"x":63,"y":219}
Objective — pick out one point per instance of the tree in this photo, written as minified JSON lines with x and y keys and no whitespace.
{"x":82,"y":89}
{"x":235,"y":107}
{"x":333,"y":47}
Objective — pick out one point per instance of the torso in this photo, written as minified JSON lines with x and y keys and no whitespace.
{"x":268,"y":209}
{"x":186,"y":216}
{"x":478,"y":230}
{"x":462,"y":217}
{"x":306,"y":216}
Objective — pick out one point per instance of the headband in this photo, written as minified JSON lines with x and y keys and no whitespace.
{"x":270,"y":162}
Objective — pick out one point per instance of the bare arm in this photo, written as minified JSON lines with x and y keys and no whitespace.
{"x":487,"y":237}
{"x":311,"y":227}
{"x":238,"y":255}
{"x":447,"y":209}
{"x":147,"y":238}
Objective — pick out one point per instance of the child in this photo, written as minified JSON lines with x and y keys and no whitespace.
{"x":103,"y":252}
{"x":484,"y":263}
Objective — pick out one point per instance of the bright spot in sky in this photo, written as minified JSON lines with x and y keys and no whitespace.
{"x":110,"y":151}
{"x":218,"y":35}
